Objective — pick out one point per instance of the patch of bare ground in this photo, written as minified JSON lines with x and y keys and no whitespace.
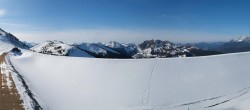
{"x":9,"y":97}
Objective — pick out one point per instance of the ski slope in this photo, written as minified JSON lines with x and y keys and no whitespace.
{"x":203,"y":83}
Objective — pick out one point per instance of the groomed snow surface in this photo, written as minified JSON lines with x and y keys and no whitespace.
{"x":203,"y":83}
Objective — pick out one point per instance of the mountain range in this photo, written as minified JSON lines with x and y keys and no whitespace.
{"x":146,"y":49}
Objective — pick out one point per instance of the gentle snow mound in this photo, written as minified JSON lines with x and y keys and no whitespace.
{"x":216,"y":82}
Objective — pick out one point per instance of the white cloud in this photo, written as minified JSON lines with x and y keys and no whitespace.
{"x":3,"y":12}
{"x":106,"y":35}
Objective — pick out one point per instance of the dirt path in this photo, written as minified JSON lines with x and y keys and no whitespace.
{"x":9,"y":97}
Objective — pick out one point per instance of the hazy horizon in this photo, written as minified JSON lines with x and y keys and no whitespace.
{"x":125,"y":20}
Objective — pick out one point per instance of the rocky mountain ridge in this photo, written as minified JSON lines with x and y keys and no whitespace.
{"x":11,"y":39}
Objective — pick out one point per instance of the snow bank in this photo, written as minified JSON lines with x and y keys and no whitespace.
{"x":63,"y":83}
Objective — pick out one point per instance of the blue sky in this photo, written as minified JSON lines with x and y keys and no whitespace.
{"x":125,"y":20}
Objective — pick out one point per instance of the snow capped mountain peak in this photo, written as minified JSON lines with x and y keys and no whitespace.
{"x":54,"y":41}
{"x":91,"y":47}
{"x":2,"y":32}
{"x":155,"y":44}
{"x":159,"y":48}
{"x":241,"y":39}
{"x":114,"y":44}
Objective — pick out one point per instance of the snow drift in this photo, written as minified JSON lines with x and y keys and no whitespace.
{"x":63,"y":83}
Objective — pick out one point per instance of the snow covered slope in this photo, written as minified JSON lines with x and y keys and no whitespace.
{"x":11,"y":39}
{"x":130,"y":49}
{"x":203,"y":83}
{"x":59,"y":48}
{"x":5,"y":47}
{"x":98,"y":50}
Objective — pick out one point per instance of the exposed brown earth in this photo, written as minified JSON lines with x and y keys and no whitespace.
{"x":9,"y":97}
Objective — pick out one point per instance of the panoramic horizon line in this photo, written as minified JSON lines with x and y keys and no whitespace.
{"x":119,"y":35}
